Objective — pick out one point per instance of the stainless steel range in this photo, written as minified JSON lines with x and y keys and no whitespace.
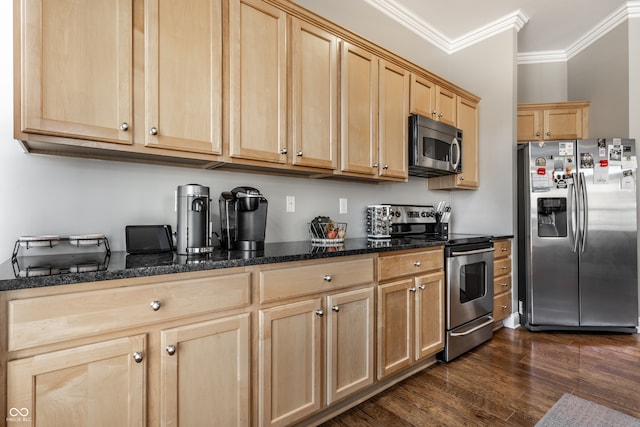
{"x":468,"y":269}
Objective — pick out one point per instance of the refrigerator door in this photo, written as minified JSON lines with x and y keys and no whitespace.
{"x":552,"y":285}
{"x":608,"y":243}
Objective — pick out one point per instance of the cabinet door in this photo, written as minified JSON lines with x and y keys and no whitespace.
{"x":395,"y":327}
{"x":563,"y":124}
{"x":257,"y":81}
{"x":314,"y":96}
{"x":359,"y":110}
{"x":467,"y":120}
{"x":529,"y":125}
{"x":77,"y":68}
{"x":290,"y":362}
{"x":205,"y":373}
{"x":423,"y":96}
{"x":429,"y":315}
{"x":350,"y":339}
{"x":446,"y":102}
{"x":93,"y":385}
{"x":393,"y":126}
{"x":183,"y":73}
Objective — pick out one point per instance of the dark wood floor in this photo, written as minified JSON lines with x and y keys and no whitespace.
{"x":512,"y":380}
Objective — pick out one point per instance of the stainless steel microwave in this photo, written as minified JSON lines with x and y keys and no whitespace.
{"x":435,"y":148}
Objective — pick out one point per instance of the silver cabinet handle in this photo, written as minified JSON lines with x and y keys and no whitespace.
{"x":413,"y":289}
{"x":283,"y":151}
{"x":422,"y":287}
{"x":441,"y":115}
{"x":335,"y":308}
{"x":124,"y":126}
{"x":385,"y":167}
{"x":461,"y":178}
{"x":504,"y":267}
{"x":548,"y":133}
{"x":434,"y":112}
{"x":504,"y":285}
{"x":153,"y":131}
{"x":320,"y":312}
{"x":504,"y":249}
{"x":138,"y":356}
{"x":375,"y":165}
{"x":299,"y":154}
{"x":537,"y":133}
{"x":417,"y":263}
{"x":504,"y":307}
{"x":171,"y":349}
{"x":155,"y":305}
{"x":327,"y":278}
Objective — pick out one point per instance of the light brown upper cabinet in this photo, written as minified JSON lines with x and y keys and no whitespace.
{"x":258,"y":81}
{"x":314,"y":96}
{"x":359,"y":111}
{"x":467,"y":120}
{"x":553,"y":121}
{"x":431,"y":100}
{"x":393,"y":111}
{"x":76,"y":69}
{"x":183,"y":75}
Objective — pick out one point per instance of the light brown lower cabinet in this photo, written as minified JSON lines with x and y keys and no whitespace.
{"x":99,"y":384}
{"x":292,"y":336}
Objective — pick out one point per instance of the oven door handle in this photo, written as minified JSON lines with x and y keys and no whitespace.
{"x":477,"y":251}
{"x":472,"y":330}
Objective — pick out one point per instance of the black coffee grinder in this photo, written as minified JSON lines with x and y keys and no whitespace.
{"x":243,"y":219}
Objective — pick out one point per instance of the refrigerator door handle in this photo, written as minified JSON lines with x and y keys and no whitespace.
{"x":573,"y":212}
{"x":584,"y":209}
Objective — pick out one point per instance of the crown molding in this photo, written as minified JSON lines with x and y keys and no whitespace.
{"x":631,"y":9}
{"x":406,"y":18}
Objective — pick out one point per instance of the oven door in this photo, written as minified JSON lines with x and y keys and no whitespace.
{"x":469,"y":283}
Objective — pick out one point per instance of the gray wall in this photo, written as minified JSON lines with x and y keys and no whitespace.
{"x":600,"y":74}
{"x":543,"y":82}
{"x":57,"y":195}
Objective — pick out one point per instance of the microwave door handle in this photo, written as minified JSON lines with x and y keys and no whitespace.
{"x":454,"y":143}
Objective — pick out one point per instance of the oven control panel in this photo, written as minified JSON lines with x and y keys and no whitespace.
{"x":413,"y":214}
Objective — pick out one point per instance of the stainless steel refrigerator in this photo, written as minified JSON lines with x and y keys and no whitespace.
{"x":577,"y":235}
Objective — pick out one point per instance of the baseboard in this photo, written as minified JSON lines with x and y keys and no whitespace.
{"x":512,"y":322}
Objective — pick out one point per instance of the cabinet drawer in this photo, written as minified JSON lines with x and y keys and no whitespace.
{"x":299,"y":280}
{"x":390,"y":266}
{"x":501,"y":306}
{"x":49,"y":319}
{"x":502,"y":248}
{"x":501,"y":266}
{"x":501,"y":284}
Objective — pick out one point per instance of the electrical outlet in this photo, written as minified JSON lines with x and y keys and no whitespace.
{"x":343,"y":206}
{"x":291,"y":204}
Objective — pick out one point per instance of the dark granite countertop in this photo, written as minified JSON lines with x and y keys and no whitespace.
{"x":120,"y":265}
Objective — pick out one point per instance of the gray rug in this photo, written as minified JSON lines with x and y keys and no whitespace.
{"x":571,"y":411}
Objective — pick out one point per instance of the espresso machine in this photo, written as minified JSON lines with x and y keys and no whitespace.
{"x":194,"y":229}
{"x":243,"y":218}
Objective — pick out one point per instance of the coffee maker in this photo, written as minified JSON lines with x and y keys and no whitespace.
{"x":194,"y":229}
{"x":243,"y":218}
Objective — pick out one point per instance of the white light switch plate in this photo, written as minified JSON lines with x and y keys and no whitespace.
{"x":291,"y":204}
{"x":343,"y":206}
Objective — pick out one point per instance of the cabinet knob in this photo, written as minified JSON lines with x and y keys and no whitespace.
{"x":327,"y":278}
{"x":385,"y":167}
{"x":320,"y":313}
{"x":375,"y":165}
{"x":171,"y":349}
{"x":504,"y":249}
{"x":155,"y":305}
{"x":504,"y":285}
{"x":138,"y":356}
{"x":504,"y":307}
{"x":461,"y":177}
{"x":153,"y":131}
{"x":124,"y":126}
{"x":417,"y":263}
{"x":548,"y":133}
{"x":504,"y":267}
{"x":537,"y":133}
{"x":440,"y":115}
{"x":433,"y":113}
{"x":422,"y":287}
{"x":335,"y":308}
{"x":413,"y":289}
{"x":283,"y":151}
{"x":299,"y":154}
